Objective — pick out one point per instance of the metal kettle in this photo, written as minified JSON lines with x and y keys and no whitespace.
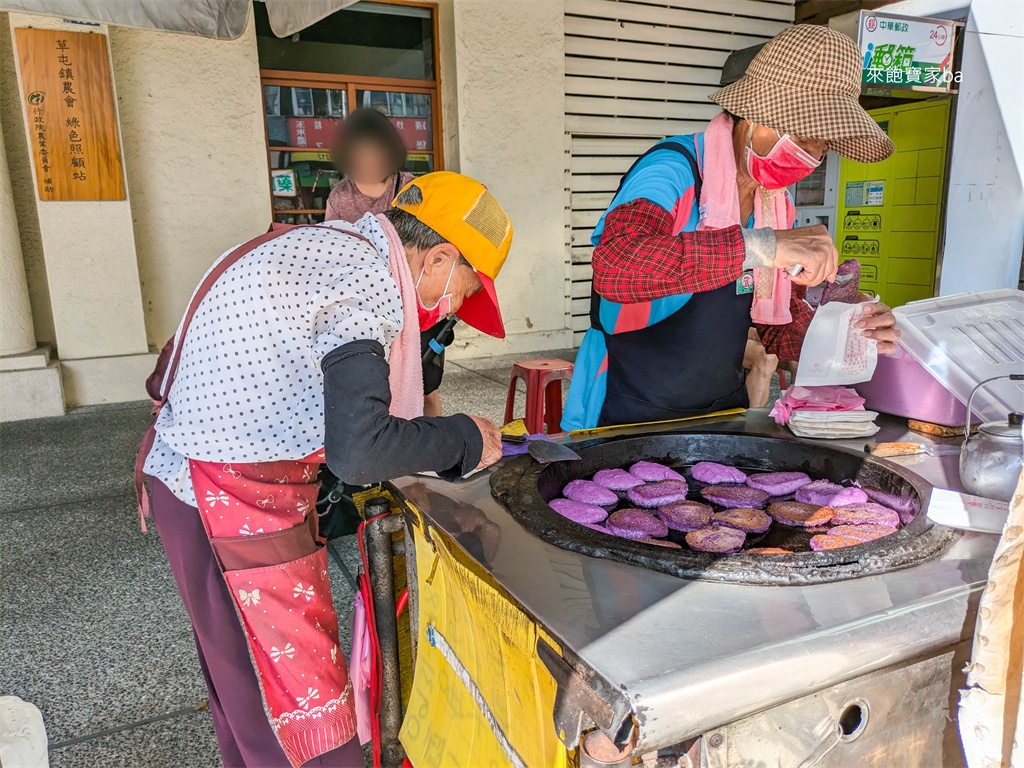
{"x":990,"y":462}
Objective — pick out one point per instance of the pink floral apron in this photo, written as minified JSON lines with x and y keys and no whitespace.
{"x":261,"y":522}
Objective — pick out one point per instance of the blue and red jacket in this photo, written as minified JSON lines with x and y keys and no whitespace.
{"x":671,"y":342}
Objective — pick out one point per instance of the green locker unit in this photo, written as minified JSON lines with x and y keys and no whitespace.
{"x":888,"y":212}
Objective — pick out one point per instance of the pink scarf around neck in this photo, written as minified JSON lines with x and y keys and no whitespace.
{"x":720,"y":208}
{"x":405,"y":361}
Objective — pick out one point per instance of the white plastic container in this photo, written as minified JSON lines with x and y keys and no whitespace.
{"x":965,"y":339}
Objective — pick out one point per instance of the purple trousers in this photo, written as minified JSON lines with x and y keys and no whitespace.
{"x":244,"y":734}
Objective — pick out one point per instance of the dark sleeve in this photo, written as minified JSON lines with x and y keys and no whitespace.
{"x":639,"y":259}
{"x":364,"y":443}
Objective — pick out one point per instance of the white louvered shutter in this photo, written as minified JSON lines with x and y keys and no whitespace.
{"x":636,"y":72}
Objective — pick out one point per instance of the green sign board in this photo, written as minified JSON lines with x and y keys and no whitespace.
{"x":907,"y":53}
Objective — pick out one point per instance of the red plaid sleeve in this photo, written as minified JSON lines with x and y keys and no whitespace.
{"x":786,"y":340}
{"x":639,"y":259}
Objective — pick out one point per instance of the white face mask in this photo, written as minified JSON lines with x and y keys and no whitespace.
{"x":431,"y":316}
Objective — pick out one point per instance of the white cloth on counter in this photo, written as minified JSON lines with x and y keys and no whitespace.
{"x":249,"y":386}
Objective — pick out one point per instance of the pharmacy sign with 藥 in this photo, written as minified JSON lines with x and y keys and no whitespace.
{"x":907,"y":53}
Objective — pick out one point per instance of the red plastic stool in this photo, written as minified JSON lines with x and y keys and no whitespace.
{"x":543,"y":379}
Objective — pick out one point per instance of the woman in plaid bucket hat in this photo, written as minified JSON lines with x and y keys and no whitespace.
{"x":697,"y":250}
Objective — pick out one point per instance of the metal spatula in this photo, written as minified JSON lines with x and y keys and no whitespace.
{"x":545,"y":452}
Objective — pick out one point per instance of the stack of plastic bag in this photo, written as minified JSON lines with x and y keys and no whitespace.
{"x":825,"y":412}
{"x":834,"y":425}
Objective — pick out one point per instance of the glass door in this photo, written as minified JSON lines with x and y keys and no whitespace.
{"x":301,"y":120}
{"x":376,"y":55}
{"x":412,"y":113}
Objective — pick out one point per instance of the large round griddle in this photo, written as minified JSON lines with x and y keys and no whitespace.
{"x":524,"y":487}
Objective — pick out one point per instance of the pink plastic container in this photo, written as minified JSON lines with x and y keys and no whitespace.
{"x":902,"y":386}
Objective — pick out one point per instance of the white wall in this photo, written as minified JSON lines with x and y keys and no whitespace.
{"x":510,"y":71}
{"x":985,"y":202}
{"x":16,"y":332}
{"x":195,"y":153}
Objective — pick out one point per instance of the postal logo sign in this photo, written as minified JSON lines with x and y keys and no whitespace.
{"x":871,"y":24}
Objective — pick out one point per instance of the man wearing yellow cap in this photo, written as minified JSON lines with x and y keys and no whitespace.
{"x":298,"y":348}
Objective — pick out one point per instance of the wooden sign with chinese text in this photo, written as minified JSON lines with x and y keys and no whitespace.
{"x":72,"y":123}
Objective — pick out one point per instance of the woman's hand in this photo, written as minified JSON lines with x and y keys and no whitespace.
{"x":879,"y":323}
{"x":492,"y":441}
{"x":810,"y":247}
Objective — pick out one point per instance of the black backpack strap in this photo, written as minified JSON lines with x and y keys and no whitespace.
{"x":674,"y":146}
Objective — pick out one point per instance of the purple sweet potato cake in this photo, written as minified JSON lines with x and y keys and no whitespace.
{"x":658,"y":494}
{"x":824,"y":542}
{"x":778,"y":483}
{"x":716,"y":538}
{"x":768,"y":551}
{"x":848,"y":496}
{"x":861,"y":532}
{"x":632,"y":523}
{"x":577,"y":511}
{"x":685,"y":515}
{"x":735,"y":496}
{"x":618,"y":480}
{"x":866,"y":514}
{"x":848,"y":536}
{"x":652,"y":472}
{"x":662,"y":543}
{"x":590,"y":492}
{"x":713,"y":473}
{"x":796,"y":514}
{"x":905,"y":506}
{"x":743,"y":518}
{"x":828,"y":494}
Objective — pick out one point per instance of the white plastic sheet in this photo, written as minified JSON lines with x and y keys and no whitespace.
{"x":835,"y":352}
{"x":218,"y":19}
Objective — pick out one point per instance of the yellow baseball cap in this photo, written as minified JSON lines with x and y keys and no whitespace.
{"x":464,"y":213}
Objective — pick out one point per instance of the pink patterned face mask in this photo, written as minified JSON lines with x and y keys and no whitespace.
{"x":784,"y":165}
{"x":431,"y":316}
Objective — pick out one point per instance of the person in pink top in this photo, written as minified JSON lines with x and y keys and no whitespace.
{"x":370,"y":154}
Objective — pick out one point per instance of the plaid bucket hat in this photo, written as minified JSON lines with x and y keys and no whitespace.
{"x":805,"y":82}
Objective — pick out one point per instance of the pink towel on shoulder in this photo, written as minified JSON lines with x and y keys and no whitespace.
{"x":405,"y":359}
{"x":720,"y":208}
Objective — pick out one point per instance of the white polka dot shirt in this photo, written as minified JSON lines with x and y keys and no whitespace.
{"x":249,"y":386}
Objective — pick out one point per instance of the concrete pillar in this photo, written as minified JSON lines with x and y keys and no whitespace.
{"x":92,"y":277}
{"x":16,"y":332}
{"x":512,"y":138}
{"x":30,"y":383}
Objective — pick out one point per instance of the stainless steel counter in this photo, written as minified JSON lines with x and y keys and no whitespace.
{"x":694,"y":655}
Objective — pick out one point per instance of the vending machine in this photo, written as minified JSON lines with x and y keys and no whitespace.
{"x":889,"y":215}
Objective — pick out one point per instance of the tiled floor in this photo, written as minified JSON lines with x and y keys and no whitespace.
{"x":93,"y":631}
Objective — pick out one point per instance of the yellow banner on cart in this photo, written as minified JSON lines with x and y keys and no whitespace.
{"x":480,"y":697}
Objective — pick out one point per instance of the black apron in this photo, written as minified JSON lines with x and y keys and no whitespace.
{"x":690,"y":363}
